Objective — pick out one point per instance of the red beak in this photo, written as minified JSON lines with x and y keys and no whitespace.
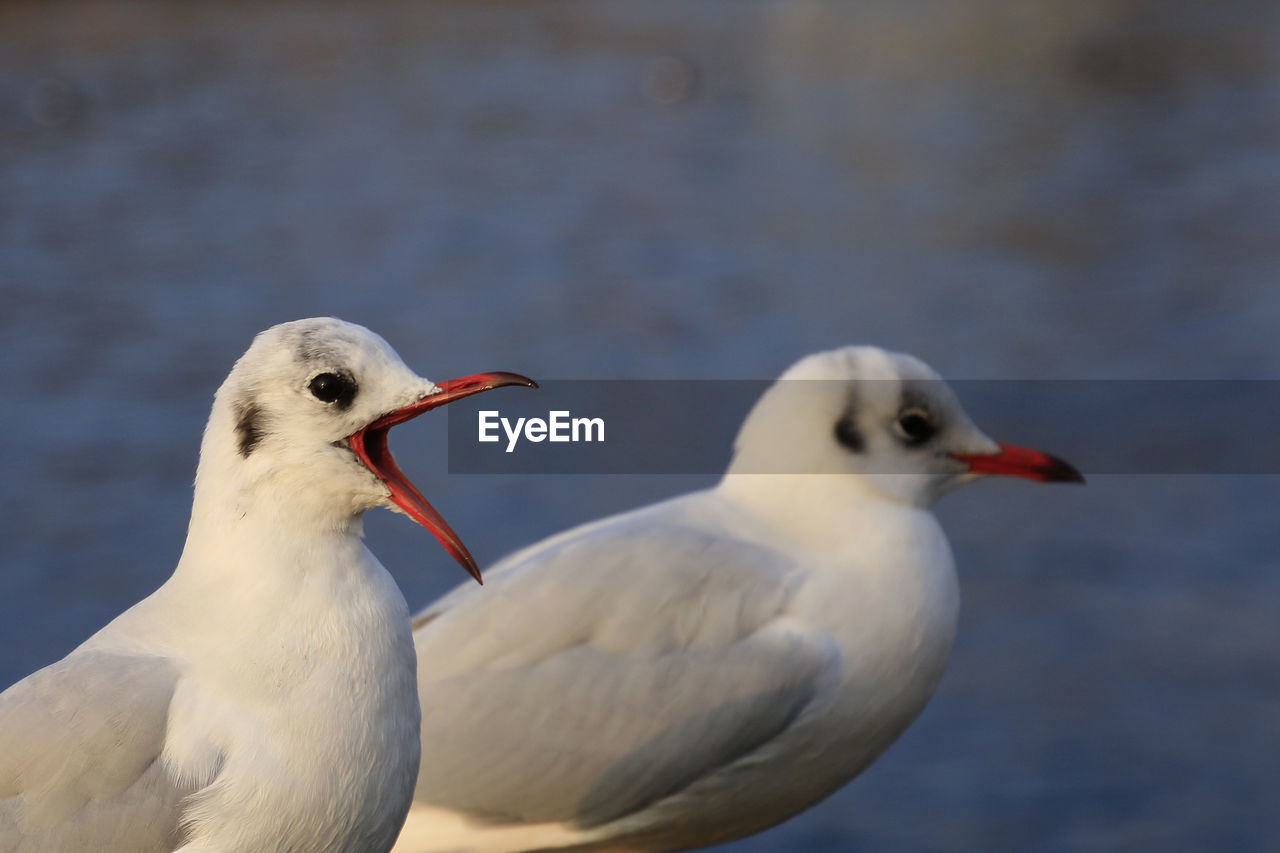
{"x":1013,"y":461}
{"x":370,"y":447}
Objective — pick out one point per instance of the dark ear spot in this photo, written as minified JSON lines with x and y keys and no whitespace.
{"x":248,"y":427}
{"x":846,"y":429}
{"x":848,"y":435}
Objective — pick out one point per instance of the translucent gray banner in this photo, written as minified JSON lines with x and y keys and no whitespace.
{"x":688,"y":426}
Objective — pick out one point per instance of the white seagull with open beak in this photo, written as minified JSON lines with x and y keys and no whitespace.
{"x":704,"y":668}
{"x":263,"y":699}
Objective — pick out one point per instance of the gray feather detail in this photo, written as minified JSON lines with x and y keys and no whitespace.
{"x":80,"y":747}
{"x":598,"y":717}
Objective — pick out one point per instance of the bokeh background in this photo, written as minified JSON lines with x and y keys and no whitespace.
{"x":1068,"y":189}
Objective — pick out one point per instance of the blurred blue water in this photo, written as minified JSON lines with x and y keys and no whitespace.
{"x":692,"y":190}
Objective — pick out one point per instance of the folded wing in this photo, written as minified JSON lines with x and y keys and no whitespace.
{"x":600,"y":673}
{"x":80,"y":747}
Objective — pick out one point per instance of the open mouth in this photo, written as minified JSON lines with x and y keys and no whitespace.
{"x":370,"y":447}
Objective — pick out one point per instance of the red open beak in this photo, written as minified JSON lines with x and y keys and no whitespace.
{"x":1013,"y":461}
{"x":370,"y":447}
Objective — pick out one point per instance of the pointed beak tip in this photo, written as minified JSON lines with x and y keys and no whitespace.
{"x":1072,"y":476}
{"x":504,"y":378}
{"x":1056,"y":470}
{"x":465,"y":386}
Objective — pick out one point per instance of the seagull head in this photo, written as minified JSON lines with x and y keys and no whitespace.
{"x":298,"y":433}
{"x":884,"y":417}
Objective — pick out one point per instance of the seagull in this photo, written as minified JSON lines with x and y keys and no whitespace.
{"x":701,"y":669}
{"x":264,"y":697}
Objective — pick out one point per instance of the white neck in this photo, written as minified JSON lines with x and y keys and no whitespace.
{"x":825,"y":511}
{"x":267,"y":554}
{"x":282,"y":486}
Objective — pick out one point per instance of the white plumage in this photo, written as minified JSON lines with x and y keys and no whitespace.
{"x":699,"y":670}
{"x":263,"y":698}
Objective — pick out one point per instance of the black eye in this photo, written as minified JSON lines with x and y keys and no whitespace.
{"x":333,"y":388}
{"x":915,"y":426}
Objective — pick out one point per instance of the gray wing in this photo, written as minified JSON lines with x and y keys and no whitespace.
{"x":592,"y":677}
{"x":80,"y":746}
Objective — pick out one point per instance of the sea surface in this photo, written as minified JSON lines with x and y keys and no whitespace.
{"x":642,"y":189}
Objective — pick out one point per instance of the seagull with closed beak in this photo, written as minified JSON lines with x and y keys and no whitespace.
{"x":704,"y":668}
{"x":263,"y":699}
